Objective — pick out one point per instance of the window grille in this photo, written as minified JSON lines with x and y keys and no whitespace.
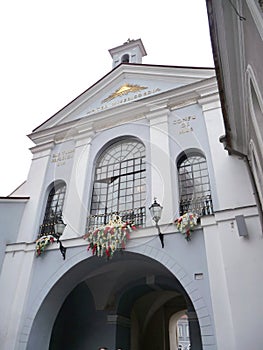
{"x":194,"y":186}
{"x":119,"y":184}
{"x":54,"y":208}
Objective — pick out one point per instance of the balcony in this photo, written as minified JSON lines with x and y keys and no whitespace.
{"x":201,"y":206}
{"x":136,"y":216}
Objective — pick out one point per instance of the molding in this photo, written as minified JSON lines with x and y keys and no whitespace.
{"x":252,"y":80}
{"x":157,"y":111}
{"x":210,"y":102}
{"x":14,"y":199}
{"x":146,"y":233}
{"x":256,"y":15}
{"x":231,"y":213}
{"x":46,"y":148}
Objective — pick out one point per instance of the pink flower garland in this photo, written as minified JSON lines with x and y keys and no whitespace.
{"x":186,"y":223}
{"x":107,"y":239}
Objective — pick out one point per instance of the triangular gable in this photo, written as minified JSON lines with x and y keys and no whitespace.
{"x":125,"y":84}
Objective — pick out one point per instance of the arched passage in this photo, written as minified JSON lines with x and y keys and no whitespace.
{"x":102,"y":303}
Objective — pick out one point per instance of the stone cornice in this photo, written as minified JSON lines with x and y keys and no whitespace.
{"x":14,"y":199}
{"x":44,"y":148}
{"x":229,"y":215}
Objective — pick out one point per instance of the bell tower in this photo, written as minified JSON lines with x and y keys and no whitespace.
{"x":132,"y":51}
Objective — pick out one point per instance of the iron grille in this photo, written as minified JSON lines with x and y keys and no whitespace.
{"x":201,"y":206}
{"x":53,"y":210}
{"x":119,"y":184}
{"x":194,"y":186}
{"x":135,"y":216}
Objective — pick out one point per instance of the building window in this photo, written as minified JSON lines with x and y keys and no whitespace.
{"x":180,"y":331}
{"x":119,"y":184}
{"x":194,"y":186}
{"x":125,"y":58}
{"x":54,"y":208}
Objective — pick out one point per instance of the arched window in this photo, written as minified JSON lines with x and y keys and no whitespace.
{"x":54,"y":208}
{"x":119,"y":184}
{"x":194,"y":185}
{"x":125,"y":58}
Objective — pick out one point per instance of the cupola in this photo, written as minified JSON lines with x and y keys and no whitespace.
{"x":132,"y":51}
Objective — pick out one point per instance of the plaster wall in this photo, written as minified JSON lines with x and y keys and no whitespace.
{"x":10,"y":217}
{"x":160,"y":162}
{"x":35,"y":188}
{"x":230,"y":172}
{"x":233,"y":264}
{"x":15,"y":279}
{"x":187,"y":131}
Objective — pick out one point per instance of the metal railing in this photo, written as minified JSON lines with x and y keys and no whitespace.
{"x":201,"y":206}
{"x":135,"y":216}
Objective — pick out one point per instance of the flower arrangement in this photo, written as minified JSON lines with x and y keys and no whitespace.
{"x":49,"y":232}
{"x":42,"y":243}
{"x":107,"y":239}
{"x":186,"y":223}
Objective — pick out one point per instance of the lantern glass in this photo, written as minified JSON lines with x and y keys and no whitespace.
{"x":156,"y":211}
{"x":59,"y":228}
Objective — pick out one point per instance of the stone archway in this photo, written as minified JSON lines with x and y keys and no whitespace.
{"x":108,"y":284}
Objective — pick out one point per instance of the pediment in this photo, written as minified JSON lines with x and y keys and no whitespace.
{"x":124,"y":85}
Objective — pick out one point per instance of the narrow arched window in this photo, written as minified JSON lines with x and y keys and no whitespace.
{"x":54,"y":208}
{"x":194,"y":185}
{"x":119,"y":184}
{"x":125,"y":58}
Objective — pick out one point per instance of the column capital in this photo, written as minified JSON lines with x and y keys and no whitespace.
{"x":157,"y":110}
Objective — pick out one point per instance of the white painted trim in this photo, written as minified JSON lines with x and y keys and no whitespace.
{"x":258,"y":175}
{"x":257,"y":15}
{"x":13,"y":200}
{"x":252,"y":80}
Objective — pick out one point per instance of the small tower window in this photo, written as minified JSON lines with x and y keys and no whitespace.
{"x":125,"y":58}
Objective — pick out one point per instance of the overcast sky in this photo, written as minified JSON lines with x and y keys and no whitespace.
{"x":53,"y":50}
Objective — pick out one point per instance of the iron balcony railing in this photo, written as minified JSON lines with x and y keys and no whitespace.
{"x":135,"y":216}
{"x":47,"y":228}
{"x":201,"y":206}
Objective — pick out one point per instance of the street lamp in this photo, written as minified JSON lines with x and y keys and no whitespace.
{"x":59,"y":228}
{"x":156,"y":212}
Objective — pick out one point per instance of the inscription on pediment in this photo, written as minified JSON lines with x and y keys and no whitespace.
{"x":125,"y":93}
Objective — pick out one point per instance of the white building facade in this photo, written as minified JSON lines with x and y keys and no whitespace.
{"x":139,"y":133}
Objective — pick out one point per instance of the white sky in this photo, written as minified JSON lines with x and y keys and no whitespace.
{"x":53,"y":50}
